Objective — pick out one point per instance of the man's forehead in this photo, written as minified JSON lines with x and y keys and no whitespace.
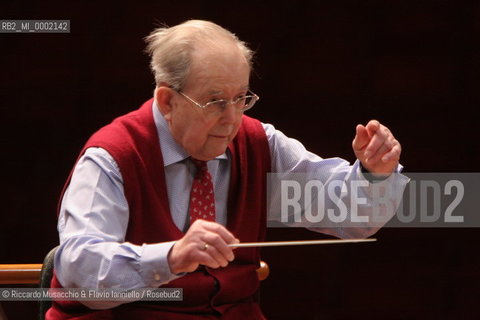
{"x":217,"y":92}
{"x":217,"y":85}
{"x":214,"y":71}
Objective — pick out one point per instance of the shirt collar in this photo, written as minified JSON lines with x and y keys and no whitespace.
{"x":172,"y":152}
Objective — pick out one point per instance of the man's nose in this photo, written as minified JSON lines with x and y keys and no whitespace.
{"x":230,"y":114}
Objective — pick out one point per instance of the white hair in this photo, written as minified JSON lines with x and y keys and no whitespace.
{"x":170,"y":49}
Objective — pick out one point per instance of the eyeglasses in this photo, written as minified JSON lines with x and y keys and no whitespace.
{"x":241,"y":104}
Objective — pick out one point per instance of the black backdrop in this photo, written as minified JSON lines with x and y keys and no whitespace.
{"x":321,"y":68}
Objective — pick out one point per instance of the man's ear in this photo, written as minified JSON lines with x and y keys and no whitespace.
{"x":163,"y":96}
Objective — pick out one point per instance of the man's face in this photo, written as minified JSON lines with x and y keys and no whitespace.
{"x":219,"y":74}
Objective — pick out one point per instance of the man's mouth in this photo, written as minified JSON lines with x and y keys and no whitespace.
{"x":219,"y":136}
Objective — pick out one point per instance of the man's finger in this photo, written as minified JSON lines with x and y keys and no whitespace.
{"x":215,"y":258}
{"x":361,"y":138}
{"x":372,"y":127}
{"x":216,"y":241}
{"x":393,"y":154}
{"x":205,"y":258}
{"x":381,"y":151}
{"x":377,"y":140}
{"x":226,"y":235}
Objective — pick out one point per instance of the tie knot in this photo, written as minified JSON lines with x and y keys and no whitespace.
{"x":200,"y":164}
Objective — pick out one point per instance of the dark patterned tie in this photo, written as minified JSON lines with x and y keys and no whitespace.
{"x":202,"y":199}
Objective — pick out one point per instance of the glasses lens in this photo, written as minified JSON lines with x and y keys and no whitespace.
{"x":249,"y":102}
{"x":245,"y":103}
{"x":241,"y":104}
{"x":216,"y":106}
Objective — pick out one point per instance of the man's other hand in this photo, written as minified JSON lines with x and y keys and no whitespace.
{"x":376,"y":148}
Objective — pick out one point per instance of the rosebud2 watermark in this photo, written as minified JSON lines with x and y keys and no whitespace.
{"x":419,"y":200}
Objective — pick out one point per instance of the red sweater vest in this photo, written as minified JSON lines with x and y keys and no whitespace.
{"x":225,"y":293}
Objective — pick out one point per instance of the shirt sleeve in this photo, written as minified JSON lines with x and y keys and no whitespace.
{"x":92,"y":224}
{"x":291,"y":161}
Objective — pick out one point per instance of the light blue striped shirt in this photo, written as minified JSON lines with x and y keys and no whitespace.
{"x":94,"y":212}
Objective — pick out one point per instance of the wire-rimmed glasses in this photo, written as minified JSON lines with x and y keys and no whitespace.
{"x":241,"y":104}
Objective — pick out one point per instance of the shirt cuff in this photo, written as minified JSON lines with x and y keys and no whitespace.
{"x":154,"y":265}
{"x":394,"y":183}
{"x":372,"y":178}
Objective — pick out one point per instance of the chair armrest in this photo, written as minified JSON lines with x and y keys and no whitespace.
{"x":20,"y":273}
{"x":30,"y":273}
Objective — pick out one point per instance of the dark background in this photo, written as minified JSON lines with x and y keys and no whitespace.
{"x":321,"y":68}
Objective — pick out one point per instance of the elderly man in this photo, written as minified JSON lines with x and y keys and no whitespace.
{"x":156,"y":196}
